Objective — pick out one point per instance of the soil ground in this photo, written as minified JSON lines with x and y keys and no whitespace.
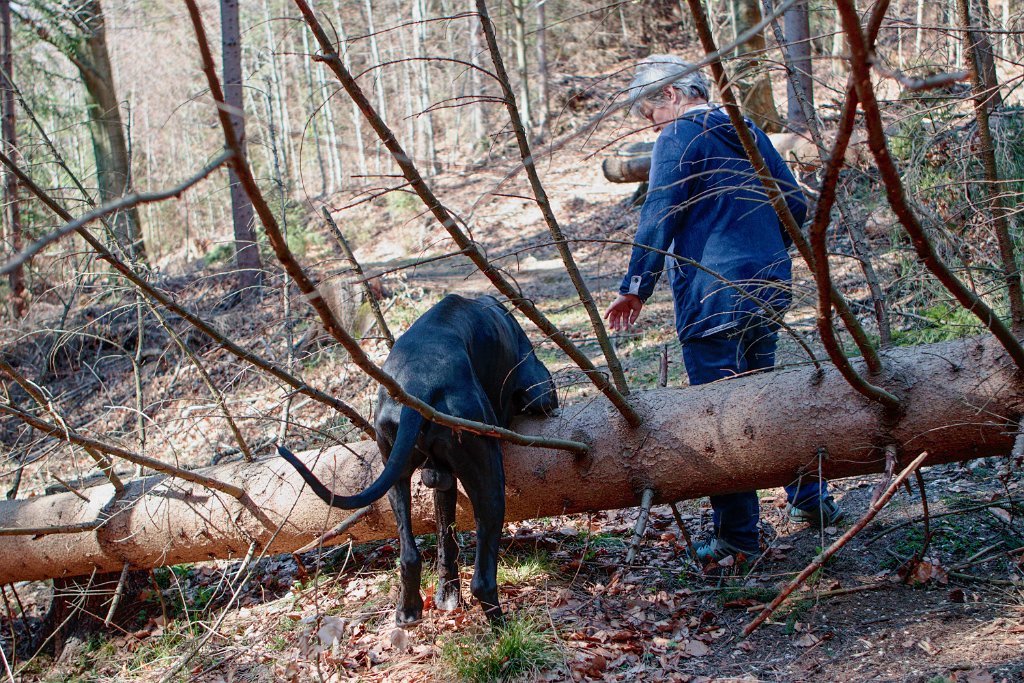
{"x":954,"y":612}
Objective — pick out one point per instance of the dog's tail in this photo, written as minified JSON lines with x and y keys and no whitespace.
{"x":409,"y":427}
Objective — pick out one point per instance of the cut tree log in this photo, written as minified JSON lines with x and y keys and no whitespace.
{"x":962,"y":400}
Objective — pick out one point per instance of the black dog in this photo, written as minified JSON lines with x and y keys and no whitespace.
{"x":471,"y":359}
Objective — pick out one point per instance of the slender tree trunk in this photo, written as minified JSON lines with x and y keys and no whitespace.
{"x":981,"y":23}
{"x":959,"y":398}
{"x":247,"y":255}
{"x":475,"y":84}
{"x":357,"y":117}
{"x":543,"y":99}
{"x":424,"y":118}
{"x":798,"y":37}
{"x":755,"y":88}
{"x":522,"y":67}
{"x":378,"y":73}
{"x":110,"y":146}
{"x":12,"y":217}
{"x":307,"y":72}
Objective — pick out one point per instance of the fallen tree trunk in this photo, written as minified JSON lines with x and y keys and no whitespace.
{"x":962,"y":401}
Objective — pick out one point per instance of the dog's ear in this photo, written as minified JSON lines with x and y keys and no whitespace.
{"x":535,"y":392}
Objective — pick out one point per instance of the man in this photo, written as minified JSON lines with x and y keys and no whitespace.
{"x":731,"y":272}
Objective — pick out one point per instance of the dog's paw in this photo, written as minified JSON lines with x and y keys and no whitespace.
{"x":446,"y":596}
{"x":408,"y":617}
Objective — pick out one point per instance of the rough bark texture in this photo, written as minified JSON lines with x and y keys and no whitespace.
{"x":754,"y":85}
{"x":798,"y":36}
{"x":110,"y":146}
{"x":12,"y":218}
{"x":753,"y":432}
{"x":247,"y":254}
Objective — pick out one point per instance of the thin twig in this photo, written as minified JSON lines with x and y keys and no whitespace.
{"x":330,"y":57}
{"x":830,"y":594}
{"x":336,"y":531}
{"x":915,"y":520}
{"x":167,"y":302}
{"x":313,"y":295}
{"x":646,"y":499}
{"x":690,"y":549}
{"x":541,"y":197}
{"x":822,"y":558}
{"x":75,"y":528}
{"x":860,"y":58}
{"x":118,"y":594}
{"x":371,"y":296}
{"x":119,"y":204}
{"x":71,"y":436}
{"x":216,"y":393}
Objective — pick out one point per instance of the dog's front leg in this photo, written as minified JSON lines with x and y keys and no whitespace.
{"x":410,"y":603}
{"x":485,"y":487}
{"x":447,"y":595}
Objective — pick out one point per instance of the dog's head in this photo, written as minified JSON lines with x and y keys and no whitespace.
{"x":534,"y":392}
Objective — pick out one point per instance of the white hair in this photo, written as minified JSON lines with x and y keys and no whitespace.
{"x":655,"y":72}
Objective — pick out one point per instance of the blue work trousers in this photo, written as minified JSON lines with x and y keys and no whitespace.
{"x":743,"y":349}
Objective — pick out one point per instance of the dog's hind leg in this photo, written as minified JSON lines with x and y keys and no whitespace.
{"x":410,"y":603}
{"x":485,"y":485}
{"x":447,"y":595}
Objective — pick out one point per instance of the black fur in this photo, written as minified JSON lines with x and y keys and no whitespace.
{"x":471,"y":359}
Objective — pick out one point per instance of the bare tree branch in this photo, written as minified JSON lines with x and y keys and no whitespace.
{"x":860,"y":60}
{"x":167,"y":302}
{"x":316,"y":300}
{"x":541,"y":198}
{"x":331,"y":58}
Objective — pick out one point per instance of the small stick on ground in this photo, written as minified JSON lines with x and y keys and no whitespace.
{"x":821,"y":559}
{"x":831,"y":594}
{"x":641,"y":524}
{"x":690,"y":549}
{"x":891,"y":454}
{"x":336,"y":531}
{"x":973,"y":508}
{"x":118,"y":593}
{"x":925,"y":515}
{"x":663,"y":367}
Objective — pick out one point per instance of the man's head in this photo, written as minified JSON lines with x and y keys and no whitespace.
{"x":664,"y":86}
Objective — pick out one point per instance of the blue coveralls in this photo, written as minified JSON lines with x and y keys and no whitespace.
{"x":706,"y":205}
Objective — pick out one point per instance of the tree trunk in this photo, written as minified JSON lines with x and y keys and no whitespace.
{"x":12,"y":217}
{"x":80,"y":606}
{"x":798,"y":37}
{"x":113,"y":164}
{"x":247,"y":254}
{"x":543,"y":99}
{"x":755,"y":87}
{"x":522,"y":68}
{"x":962,"y":399}
{"x":980,"y":17}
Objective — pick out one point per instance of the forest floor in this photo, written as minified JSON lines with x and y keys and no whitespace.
{"x":578,"y":613}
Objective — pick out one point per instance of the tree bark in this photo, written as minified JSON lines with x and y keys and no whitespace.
{"x":247,"y":253}
{"x":110,"y":147}
{"x":798,"y":37}
{"x":962,"y":401}
{"x":12,"y":217}
{"x":754,"y":85}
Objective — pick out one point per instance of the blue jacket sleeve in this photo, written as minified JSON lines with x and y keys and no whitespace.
{"x":795,"y":199}
{"x":669,"y":189}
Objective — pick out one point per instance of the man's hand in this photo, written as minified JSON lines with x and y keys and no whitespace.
{"x":624,"y":311}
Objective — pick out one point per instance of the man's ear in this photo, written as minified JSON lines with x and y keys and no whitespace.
{"x":671,"y":93}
